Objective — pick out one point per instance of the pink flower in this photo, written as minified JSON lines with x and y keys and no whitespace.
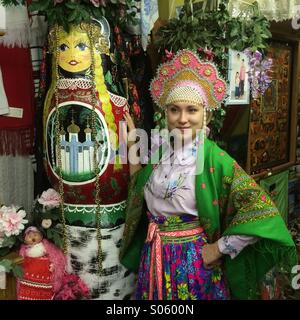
{"x":72,"y":288}
{"x":65,"y":294}
{"x":209,"y":55}
{"x":50,"y":199}
{"x":169,"y":54}
{"x":12,"y":221}
{"x":263,"y":198}
{"x":215,"y":202}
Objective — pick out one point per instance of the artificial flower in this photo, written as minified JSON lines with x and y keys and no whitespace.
{"x":12,"y":220}
{"x":46,"y":223}
{"x":50,"y":199}
{"x":169,"y":54}
{"x":209,"y":55}
{"x":259,"y":73}
{"x":73,"y":288}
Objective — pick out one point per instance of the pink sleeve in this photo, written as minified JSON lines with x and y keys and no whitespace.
{"x":233,"y":245}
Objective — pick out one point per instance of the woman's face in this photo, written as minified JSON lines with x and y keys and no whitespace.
{"x":185,"y":117}
{"x":74,"y":51}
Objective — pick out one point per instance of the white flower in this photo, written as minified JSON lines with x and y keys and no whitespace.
{"x":46,"y":223}
{"x":12,"y":221}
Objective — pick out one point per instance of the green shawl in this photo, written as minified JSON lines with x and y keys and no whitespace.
{"x":229,"y":202}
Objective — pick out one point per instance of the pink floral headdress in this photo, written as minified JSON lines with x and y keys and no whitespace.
{"x":187,"y":78}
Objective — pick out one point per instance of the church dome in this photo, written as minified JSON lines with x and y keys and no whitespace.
{"x":73,"y":128}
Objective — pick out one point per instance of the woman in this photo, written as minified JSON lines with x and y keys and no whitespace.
{"x":208,"y":220}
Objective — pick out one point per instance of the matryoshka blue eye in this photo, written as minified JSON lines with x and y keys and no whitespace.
{"x":81,"y":46}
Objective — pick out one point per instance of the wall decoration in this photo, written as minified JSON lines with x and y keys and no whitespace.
{"x":238,"y":68}
{"x":269,"y":132}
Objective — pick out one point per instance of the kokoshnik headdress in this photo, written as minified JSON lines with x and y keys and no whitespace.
{"x":188,"y":79}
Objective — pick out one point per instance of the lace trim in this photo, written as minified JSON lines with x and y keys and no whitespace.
{"x":117,"y":100}
{"x":74,"y":84}
{"x":90,"y":209}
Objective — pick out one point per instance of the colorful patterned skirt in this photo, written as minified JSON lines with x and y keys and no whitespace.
{"x":171,"y":266}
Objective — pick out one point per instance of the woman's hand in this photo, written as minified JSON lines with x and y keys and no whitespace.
{"x":211,"y":255}
{"x":131,"y":140}
{"x":131,"y":128}
{"x":129,"y":120}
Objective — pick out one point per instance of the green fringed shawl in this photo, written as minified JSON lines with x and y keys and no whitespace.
{"x":229,"y":202}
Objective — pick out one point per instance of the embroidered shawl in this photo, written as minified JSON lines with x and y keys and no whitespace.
{"x":229,"y":202}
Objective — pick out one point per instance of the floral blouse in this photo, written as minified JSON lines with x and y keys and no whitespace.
{"x":171,"y":191}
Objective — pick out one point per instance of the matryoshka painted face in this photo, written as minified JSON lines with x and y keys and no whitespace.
{"x":74,"y":51}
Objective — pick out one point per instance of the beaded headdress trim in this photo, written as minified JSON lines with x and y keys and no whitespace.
{"x":186,"y":66}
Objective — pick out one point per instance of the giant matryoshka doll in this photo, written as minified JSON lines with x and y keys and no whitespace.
{"x":81,"y":121}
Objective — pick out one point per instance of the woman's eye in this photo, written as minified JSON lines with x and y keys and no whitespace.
{"x":173,"y":110}
{"x":63,"y":47}
{"x":193,"y":110}
{"x":81,"y":46}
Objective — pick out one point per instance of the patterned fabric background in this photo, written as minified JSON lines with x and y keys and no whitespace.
{"x":269,"y":120}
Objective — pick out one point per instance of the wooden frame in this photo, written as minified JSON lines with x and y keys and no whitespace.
{"x":294,"y":92}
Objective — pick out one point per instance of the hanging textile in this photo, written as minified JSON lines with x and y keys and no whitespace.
{"x":2,"y":19}
{"x":277,"y":188}
{"x":277,"y":10}
{"x":17,"y":183}
{"x":146,"y":13}
{"x":17,"y":27}
{"x":16,"y":128}
{"x":3,"y":99}
{"x":16,"y":132}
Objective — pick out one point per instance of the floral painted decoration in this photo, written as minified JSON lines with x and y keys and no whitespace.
{"x":259,"y":74}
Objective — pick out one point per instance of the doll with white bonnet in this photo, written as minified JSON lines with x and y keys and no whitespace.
{"x":43,"y":267}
